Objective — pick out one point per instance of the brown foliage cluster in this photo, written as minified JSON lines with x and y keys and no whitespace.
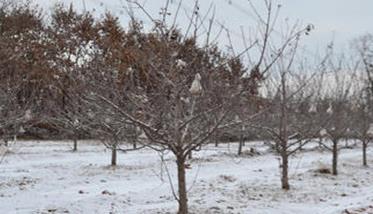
{"x":45,"y":66}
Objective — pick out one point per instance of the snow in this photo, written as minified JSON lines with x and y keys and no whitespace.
{"x":312,"y":109}
{"x":28,"y":114}
{"x":180,"y":64}
{"x":323,"y":133}
{"x":42,"y":177}
{"x":196,"y":87}
{"x":330,"y":109}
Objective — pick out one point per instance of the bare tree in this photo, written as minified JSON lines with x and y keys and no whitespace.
{"x":336,"y":104}
{"x":289,"y":121}
{"x":363,"y":125}
{"x":364,"y":46}
{"x":170,"y":88}
{"x":72,"y":38}
{"x":177,"y":91}
{"x":173,"y":104}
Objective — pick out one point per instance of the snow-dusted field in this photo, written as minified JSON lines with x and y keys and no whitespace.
{"x":46,"y":177}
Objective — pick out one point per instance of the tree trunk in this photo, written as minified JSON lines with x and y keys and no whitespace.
{"x":114,"y":155}
{"x":6,"y":143}
{"x":284,"y":136}
{"x":240,"y":144}
{"x":216,"y":138}
{"x":365,"y":145}
{"x":335,"y":157}
{"x":285,"y":171}
{"x":183,"y":199}
{"x":134,"y":145}
{"x":75,"y":148}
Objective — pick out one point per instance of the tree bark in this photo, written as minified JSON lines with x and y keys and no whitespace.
{"x":283,"y":143}
{"x":114,"y":155}
{"x":183,"y":199}
{"x":75,"y":148}
{"x":240,"y":145}
{"x":285,"y":171}
{"x":365,"y":145}
{"x":335,"y":157}
{"x":216,"y":138}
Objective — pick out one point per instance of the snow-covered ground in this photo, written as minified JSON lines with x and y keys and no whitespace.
{"x":46,"y":177}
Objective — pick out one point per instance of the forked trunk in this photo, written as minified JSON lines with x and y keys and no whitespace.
{"x":183,"y":200}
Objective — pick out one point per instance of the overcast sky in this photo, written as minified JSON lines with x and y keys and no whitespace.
{"x":345,"y":19}
{"x":338,"y":20}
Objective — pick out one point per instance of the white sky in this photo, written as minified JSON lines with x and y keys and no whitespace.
{"x":346,"y":19}
{"x":338,"y":20}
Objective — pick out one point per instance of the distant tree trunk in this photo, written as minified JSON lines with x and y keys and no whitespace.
{"x":183,"y":199}
{"x":365,"y":145}
{"x":216,"y":138}
{"x":134,"y":145}
{"x":240,"y":145}
{"x":6,"y":143}
{"x":242,"y":140}
{"x":335,"y":157}
{"x":75,"y":148}
{"x":114,"y":155}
